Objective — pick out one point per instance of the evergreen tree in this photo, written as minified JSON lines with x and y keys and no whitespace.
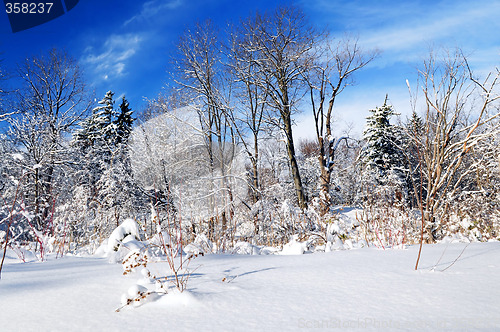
{"x":414,"y":158}
{"x":98,"y":131}
{"x":105,"y":129}
{"x":107,"y":175}
{"x":94,"y":142}
{"x":382,"y":154}
{"x":124,"y":122}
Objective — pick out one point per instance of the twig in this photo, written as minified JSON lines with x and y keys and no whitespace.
{"x":229,"y":279}
{"x":439,"y":260}
{"x":456,"y":259}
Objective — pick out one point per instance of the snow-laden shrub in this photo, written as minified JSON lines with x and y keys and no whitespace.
{"x":126,"y":228}
{"x":165,"y":246}
{"x":147,"y":289}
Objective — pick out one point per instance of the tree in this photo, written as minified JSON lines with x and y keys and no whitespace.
{"x":282,"y":42}
{"x":124,"y":122}
{"x":382,"y":154}
{"x":252,"y":95}
{"x":201,"y":77}
{"x":102,"y":130}
{"x":457,"y":105}
{"x":107,"y":175}
{"x":414,"y":131}
{"x":50,"y":102}
{"x":95,"y":140}
{"x":326,"y":78}
{"x":477,"y":202}
{"x":384,"y":178}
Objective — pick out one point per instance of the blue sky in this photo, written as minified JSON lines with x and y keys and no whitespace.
{"x":125,"y":46}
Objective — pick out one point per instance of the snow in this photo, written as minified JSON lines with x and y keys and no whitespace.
{"x":17,"y":156}
{"x":294,"y":247}
{"x":126,"y":228}
{"x":367,"y":289}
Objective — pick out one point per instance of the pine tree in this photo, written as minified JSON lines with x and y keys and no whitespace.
{"x":99,"y":130}
{"x":124,"y":122}
{"x":415,"y":134}
{"x":93,"y":145}
{"x":382,"y":153}
{"x":94,"y":141}
{"x":107,"y":175}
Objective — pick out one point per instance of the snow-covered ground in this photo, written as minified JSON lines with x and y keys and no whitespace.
{"x":362,"y":289}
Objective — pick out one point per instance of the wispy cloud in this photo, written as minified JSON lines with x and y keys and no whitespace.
{"x":405,"y":30}
{"x":470,"y":25}
{"x":110,"y":60}
{"x":153,"y":8}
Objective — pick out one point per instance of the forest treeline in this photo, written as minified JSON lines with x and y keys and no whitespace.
{"x":213,"y":158}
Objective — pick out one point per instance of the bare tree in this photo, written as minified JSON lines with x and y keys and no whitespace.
{"x":50,"y":102}
{"x":283,"y":41}
{"x":456,"y":105}
{"x":201,"y":77}
{"x":327,"y":77}
{"x":252,"y":96}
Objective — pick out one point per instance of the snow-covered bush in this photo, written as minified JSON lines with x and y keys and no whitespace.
{"x":128,"y":228}
{"x":165,"y":246}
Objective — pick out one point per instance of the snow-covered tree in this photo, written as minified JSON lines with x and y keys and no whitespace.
{"x":94,"y":142}
{"x":201,"y":78}
{"x":49,"y":103}
{"x":251,"y":108}
{"x":283,"y":41}
{"x":98,"y":132}
{"x":329,"y":73}
{"x":458,"y":107}
{"x":384,"y":176}
{"x":382,"y":155}
{"x":414,"y":131}
{"x":106,"y":175}
{"x":124,"y":122}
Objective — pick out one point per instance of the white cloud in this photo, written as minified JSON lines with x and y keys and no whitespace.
{"x":404,"y":31}
{"x":468,"y":24}
{"x":152,"y":8}
{"x":110,"y":60}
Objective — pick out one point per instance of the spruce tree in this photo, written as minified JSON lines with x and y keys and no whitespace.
{"x":413,"y":149}
{"x":382,"y":154}
{"x":105,"y":129}
{"x":124,"y":122}
{"x":98,"y":131}
{"x":108,"y":178}
{"x":94,"y":146}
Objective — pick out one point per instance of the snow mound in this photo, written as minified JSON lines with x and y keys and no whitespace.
{"x":245,"y":248}
{"x":294,"y":247}
{"x":193,"y":250}
{"x":123,"y":242}
{"x":126,"y":228}
{"x":177,"y":299}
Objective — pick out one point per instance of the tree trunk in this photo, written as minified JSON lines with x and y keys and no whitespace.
{"x":255,"y":170}
{"x":324,"y":185}
{"x":299,"y":189}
